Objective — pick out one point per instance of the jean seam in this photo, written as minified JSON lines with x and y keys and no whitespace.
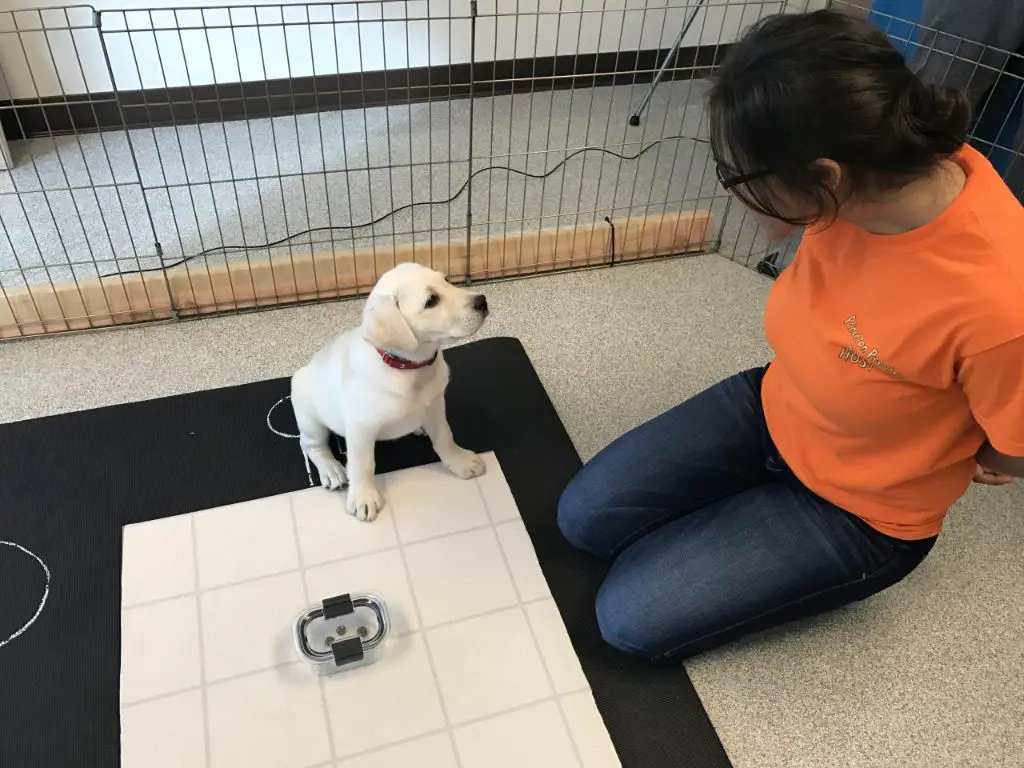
{"x":651,"y":526}
{"x":867,"y":577}
{"x":634,"y":536}
{"x":755,"y":390}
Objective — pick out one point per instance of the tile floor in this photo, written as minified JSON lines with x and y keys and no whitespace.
{"x":480,"y":672}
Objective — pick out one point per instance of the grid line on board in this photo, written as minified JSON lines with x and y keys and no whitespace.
{"x":202,"y":643}
{"x":430,"y":656}
{"x":326,"y":712}
{"x":537,"y":646}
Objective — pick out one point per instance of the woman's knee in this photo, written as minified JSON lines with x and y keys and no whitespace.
{"x":580,"y":510}
{"x":574,"y":509}
{"x":626,"y":625}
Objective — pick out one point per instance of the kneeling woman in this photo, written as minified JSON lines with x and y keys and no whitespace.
{"x":898,"y":375}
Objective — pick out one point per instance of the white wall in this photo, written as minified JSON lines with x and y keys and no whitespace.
{"x":156,"y":46}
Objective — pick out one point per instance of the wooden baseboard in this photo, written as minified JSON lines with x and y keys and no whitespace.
{"x":195,"y":289}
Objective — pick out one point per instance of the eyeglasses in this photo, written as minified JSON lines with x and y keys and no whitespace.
{"x":728,"y":182}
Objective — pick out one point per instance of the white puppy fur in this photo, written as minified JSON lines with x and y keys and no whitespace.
{"x":349,"y":389}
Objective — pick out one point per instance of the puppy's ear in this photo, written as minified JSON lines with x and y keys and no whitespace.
{"x":385,"y":327}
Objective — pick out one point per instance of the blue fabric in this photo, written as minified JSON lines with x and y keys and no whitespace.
{"x":899,"y":19}
{"x":710,"y":536}
{"x":995,"y":132}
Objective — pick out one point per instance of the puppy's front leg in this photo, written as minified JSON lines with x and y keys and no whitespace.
{"x":314,"y":439}
{"x":363,"y":500}
{"x":459,"y":461}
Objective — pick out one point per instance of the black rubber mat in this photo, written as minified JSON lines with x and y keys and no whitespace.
{"x":69,"y":483}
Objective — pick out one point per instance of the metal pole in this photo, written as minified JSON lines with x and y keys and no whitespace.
{"x":634,"y":119}
{"x":469,"y":167}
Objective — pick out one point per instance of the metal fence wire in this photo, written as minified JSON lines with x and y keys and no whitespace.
{"x":174,"y":162}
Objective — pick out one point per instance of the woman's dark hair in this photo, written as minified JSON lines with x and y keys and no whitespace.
{"x":796,"y":88}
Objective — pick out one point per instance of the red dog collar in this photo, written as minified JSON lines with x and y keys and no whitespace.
{"x":401,"y":364}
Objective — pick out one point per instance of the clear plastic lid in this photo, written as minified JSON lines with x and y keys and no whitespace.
{"x":343,"y":632}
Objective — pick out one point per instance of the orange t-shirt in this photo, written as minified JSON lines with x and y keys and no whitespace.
{"x":898,"y":355}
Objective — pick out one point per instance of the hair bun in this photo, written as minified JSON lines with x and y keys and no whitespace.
{"x":937,"y":117}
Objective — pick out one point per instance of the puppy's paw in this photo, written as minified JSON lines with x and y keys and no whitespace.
{"x":332,"y":474}
{"x":464,"y":464}
{"x":363,"y":502}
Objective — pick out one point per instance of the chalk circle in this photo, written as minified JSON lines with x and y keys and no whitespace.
{"x":296,"y":436}
{"x":270,"y":425}
{"x":42,"y":602}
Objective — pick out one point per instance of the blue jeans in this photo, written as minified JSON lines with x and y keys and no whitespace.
{"x":711,"y":537}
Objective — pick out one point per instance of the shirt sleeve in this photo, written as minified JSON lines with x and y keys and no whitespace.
{"x":994,"y":384}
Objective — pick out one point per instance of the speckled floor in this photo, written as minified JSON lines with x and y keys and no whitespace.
{"x":929,"y":674}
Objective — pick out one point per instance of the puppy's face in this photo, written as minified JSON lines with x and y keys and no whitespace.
{"x":412,"y":306}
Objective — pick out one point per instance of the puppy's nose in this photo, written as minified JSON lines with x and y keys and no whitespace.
{"x":480,"y":303}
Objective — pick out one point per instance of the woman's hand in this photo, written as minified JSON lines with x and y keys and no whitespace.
{"x":985,"y":476}
{"x":995,"y":468}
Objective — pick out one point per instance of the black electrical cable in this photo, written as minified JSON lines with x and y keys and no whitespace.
{"x":611,"y":225}
{"x":235,"y":248}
